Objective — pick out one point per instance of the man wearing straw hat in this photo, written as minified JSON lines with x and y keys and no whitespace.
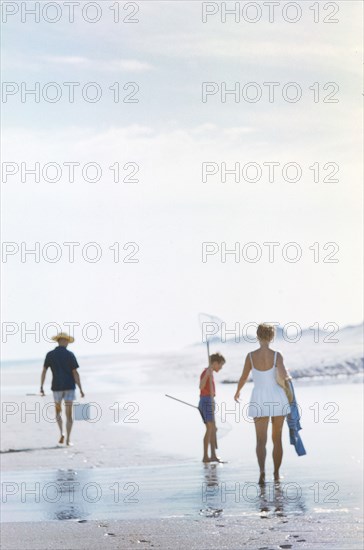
{"x":64,"y":367}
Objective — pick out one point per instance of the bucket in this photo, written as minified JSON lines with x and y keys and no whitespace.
{"x":81,"y":411}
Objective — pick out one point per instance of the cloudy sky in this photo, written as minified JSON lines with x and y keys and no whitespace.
{"x":164,"y":139}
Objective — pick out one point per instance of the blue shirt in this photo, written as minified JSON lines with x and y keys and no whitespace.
{"x":62,"y":363}
{"x":293,"y":421}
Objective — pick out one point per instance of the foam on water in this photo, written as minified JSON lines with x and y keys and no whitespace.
{"x":313,"y":355}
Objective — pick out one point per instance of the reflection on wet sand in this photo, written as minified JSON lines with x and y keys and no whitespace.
{"x":280,"y":499}
{"x":210,"y":491}
{"x":211,"y":473}
{"x":182,"y":490}
{"x":67,"y":506}
{"x":273,"y":499}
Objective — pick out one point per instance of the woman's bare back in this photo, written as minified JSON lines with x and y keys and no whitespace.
{"x":263,"y":359}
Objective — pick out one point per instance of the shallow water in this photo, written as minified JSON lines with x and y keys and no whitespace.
{"x":328,"y":480}
{"x":182,"y":490}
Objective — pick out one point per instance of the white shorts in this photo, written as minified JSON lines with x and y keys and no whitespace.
{"x":67,"y":395}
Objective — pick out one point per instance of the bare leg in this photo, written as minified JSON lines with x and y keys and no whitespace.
{"x":206,"y":441}
{"x":69,"y":420}
{"x":261,"y":427}
{"x":59,"y":420}
{"x":277,"y":425}
{"x":213,"y":444}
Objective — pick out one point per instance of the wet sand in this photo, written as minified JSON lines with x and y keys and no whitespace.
{"x":180,"y":502}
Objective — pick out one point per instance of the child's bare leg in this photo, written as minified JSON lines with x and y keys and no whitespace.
{"x":213,"y":443}
{"x":206,"y":441}
{"x":59,"y":419}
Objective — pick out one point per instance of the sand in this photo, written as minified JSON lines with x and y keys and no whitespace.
{"x":210,"y":533}
{"x":161,"y":452}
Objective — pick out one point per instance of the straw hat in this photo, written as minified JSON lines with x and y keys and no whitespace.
{"x":63,"y":335}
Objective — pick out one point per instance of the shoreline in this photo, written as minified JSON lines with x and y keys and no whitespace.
{"x":184,"y":490}
{"x":161,"y":453}
{"x":330,"y":378}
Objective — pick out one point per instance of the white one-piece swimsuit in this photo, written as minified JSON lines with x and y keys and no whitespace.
{"x":268,"y":397}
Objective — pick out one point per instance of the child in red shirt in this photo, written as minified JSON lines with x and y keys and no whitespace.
{"x":207,"y":405}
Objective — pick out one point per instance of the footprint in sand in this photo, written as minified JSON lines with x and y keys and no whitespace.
{"x":285,"y":546}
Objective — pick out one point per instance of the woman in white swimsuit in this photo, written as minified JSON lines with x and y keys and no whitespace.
{"x":268,"y":398}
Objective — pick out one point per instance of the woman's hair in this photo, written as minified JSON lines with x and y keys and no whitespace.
{"x":217,"y":357}
{"x":265,"y":332}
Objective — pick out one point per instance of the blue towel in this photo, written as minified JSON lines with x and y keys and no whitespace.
{"x":293,"y":421}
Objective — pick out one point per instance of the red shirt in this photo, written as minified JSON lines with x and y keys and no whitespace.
{"x":206,"y":390}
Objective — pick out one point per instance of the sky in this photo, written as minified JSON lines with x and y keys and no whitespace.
{"x":164,"y":142}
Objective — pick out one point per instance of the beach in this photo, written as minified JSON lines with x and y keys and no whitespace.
{"x":134,"y":477}
{"x":181,"y":188}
